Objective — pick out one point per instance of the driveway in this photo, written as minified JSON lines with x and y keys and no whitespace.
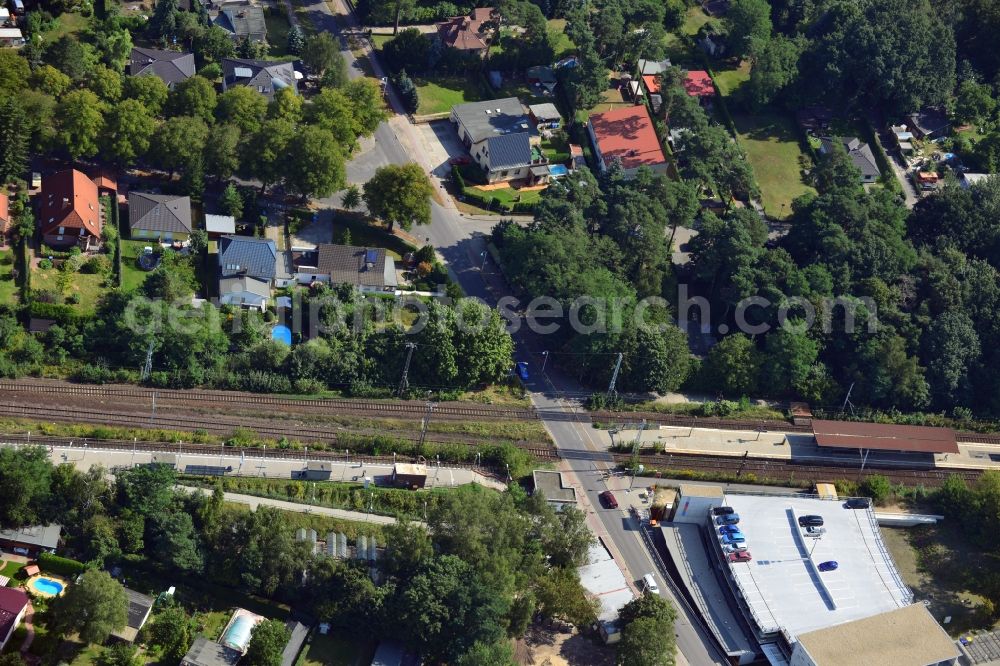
{"x":442,"y":143}
{"x":314,"y":233}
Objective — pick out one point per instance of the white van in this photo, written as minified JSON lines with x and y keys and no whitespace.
{"x":649,"y":584}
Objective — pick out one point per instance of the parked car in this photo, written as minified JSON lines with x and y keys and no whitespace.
{"x":828,"y":566}
{"x":609,"y":499}
{"x":858,"y":503}
{"x":649,"y":584}
{"x":814,"y":532}
{"x":734,"y":548}
{"x":740,"y":556}
{"x":728,"y":519}
{"x":522,"y":370}
{"x":460,"y":160}
{"x":722,"y":510}
{"x":729,"y":529}
{"x":810,"y":521}
{"x":729,"y":539}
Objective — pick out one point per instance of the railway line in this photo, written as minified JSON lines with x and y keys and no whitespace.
{"x":227,"y":427}
{"x":206,"y":399}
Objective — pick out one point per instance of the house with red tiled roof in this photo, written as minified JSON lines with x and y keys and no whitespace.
{"x":5,"y":220}
{"x":626,"y":135}
{"x":13,"y":604}
{"x":69,"y":209}
{"x":699,"y":84}
{"x":470,"y":33}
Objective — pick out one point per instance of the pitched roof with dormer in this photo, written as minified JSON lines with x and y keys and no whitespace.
{"x":252,"y":257}
{"x":70,"y":200}
{"x":266,"y":76}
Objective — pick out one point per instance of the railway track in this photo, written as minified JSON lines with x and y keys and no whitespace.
{"x":205,"y":398}
{"x":228,"y":427}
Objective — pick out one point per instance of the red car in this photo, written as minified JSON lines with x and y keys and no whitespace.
{"x":740,"y":556}
{"x":461,"y":160}
{"x":609,"y":499}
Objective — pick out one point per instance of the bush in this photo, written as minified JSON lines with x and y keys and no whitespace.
{"x":62,"y":566}
{"x":97,"y":265}
{"x":94,"y":373}
{"x":45,"y":264}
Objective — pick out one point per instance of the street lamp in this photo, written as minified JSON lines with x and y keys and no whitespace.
{"x":482,"y":266}
{"x":545,"y":359}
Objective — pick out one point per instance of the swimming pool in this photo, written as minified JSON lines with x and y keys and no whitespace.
{"x":282,"y":334}
{"x":47,"y":586}
{"x":557,"y":170}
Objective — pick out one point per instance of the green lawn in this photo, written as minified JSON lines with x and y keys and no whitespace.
{"x":65,"y":24}
{"x":561,"y":42}
{"x":729,"y":80}
{"x":678,"y":44}
{"x":334,"y":651}
{"x":87,"y":287}
{"x":509,"y":195}
{"x":440,"y":93}
{"x":10,"y":569}
{"x":555,"y":149}
{"x":363,"y":234}
{"x":277,"y":32}
{"x":132,"y":275}
{"x":8,"y":288}
{"x":378,"y":41}
{"x":771,"y":143}
{"x":610,"y":99}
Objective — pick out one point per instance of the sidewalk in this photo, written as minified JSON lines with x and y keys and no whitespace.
{"x":254,"y":502}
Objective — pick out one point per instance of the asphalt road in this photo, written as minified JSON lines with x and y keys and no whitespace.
{"x":461,"y":242}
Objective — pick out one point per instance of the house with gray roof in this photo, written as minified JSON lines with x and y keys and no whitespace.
{"x":31,"y":541}
{"x":265,"y":76}
{"x":860,"y":153}
{"x":204,"y":652}
{"x":242,"y":20}
{"x":502,"y":139}
{"x":371,"y":270}
{"x":171,"y":67}
{"x":247,"y":267}
{"x":139,"y":607}
{"x":164,"y":218}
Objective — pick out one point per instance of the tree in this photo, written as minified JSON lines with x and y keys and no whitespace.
{"x":320,"y":53}
{"x":243,"y":107}
{"x":232,"y":201}
{"x":173,"y":280}
{"x":733,"y":366}
{"x":410,"y":49}
{"x":316,"y":166}
{"x":80,"y":122}
{"x":775,"y":68}
{"x":106,"y":83}
{"x":407,"y":91}
{"x":93,"y":607}
{"x":150,"y":91}
{"x":265,"y":153}
{"x":146,"y":491}
{"x":368,"y":110}
{"x":214,"y":44}
{"x":950,"y":347}
{"x":561,"y":596}
{"x":403,"y":10}
{"x":50,"y":80}
{"x":120,"y":654}
{"x":483,"y":654}
{"x":351,"y":198}
{"x":175,"y":541}
{"x":876,"y":486}
{"x":193,"y":97}
{"x":749,"y":23}
{"x":267,"y":642}
{"x":400,"y":195}
{"x":128,"y":130}
{"x":790,"y":355}
{"x":14,"y":72}
{"x":286,"y":105}
{"x":221,"y":155}
{"x":163,"y":23}
{"x":24,"y":474}
{"x":14,"y":136}
{"x":974,"y":102}
{"x":296,"y":40}
{"x":178,"y":144}
{"x":643,"y":643}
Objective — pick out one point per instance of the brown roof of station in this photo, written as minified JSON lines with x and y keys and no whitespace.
{"x":884,"y":437}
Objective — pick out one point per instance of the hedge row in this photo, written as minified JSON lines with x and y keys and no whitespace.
{"x":63,"y":566}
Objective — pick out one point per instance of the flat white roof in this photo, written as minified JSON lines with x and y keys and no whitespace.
{"x":781,"y":583}
{"x":602,"y":577}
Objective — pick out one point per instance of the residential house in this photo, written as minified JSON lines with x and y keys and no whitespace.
{"x":652,"y":67}
{"x":929,"y":124}
{"x":204,"y":652}
{"x":265,"y":76}
{"x":649,"y":72}
{"x":371,"y":270}
{"x":712,"y":44}
{"x":967,"y":180}
{"x":5,"y":221}
{"x":501,"y":137}
{"x":860,"y":153}
{"x":30,"y":541}
{"x":171,"y":67}
{"x":165,"y":218}
{"x":242,"y":20}
{"x":699,"y":84}
{"x":69,"y":210}
{"x":4,"y":16}
{"x":219,"y":225}
{"x":545,"y":116}
{"x":626,"y":135}
{"x":543,"y":76}
{"x":247,"y":267}
{"x":13,"y":604}
{"x":11,"y":37}
{"x":471,"y":33}
{"x":139,"y":607}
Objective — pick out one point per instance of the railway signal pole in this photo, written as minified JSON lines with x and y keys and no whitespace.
{"x":404,"y":381}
